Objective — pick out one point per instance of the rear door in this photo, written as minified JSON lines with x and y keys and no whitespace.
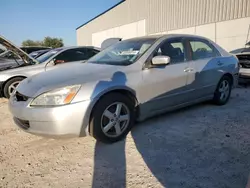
{"x":206,"y":68}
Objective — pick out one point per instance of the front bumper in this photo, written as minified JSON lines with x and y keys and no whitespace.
{"x":62,"y":121}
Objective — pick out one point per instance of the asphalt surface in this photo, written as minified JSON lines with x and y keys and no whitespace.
{"x":199,"y":146}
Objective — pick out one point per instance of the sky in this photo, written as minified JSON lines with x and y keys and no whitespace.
{"x":36,"y":19}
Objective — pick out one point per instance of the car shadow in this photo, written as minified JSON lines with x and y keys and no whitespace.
{"x":110,"y":165}
{"x":161,"y":146}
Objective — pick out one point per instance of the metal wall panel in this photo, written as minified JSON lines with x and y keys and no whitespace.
{"x":236,"y":7}
{"x":244,"y":8}
{"x":231,"y":12}
{"x":240,"y":9}
{"x":247,"y":8}
{"x":165,"y":15}
{"x":194,"y":16}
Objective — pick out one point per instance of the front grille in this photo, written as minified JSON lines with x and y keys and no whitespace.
{"x":21,"y":97}
{"x":22,"y":123}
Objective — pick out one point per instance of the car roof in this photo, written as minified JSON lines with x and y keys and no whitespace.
{"x":42,"y":47}
{"x":167,"y":36}
{"x":75,"y":47}
{"x":45,"y":50}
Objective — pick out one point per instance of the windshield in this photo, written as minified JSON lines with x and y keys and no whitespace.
{"x":123,"y":53}
{"x":48,"y":55}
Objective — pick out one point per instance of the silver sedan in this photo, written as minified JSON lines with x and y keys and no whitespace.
{"x":129,"y":81}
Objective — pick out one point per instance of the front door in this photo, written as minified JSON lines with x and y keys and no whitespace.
{"x":165,"y":86}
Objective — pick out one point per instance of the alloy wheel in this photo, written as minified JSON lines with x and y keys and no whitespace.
{"x":12,"y":87}
{"x":115,"y":119}
{"x":224,"y":90}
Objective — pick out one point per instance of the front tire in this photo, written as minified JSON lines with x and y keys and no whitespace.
{"x":10,"y":86}
{"x":112,"y":118}
{"x":223,"y":91}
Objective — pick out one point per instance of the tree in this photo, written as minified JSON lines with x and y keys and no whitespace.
{"x":47,"y":42}
{"x":53,"y":42}
{"x":32,"y":43}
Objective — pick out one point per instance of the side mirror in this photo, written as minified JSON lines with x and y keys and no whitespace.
{"x":161,"y":60}
{"x":56,"y":61}
{"x":51,"y":62}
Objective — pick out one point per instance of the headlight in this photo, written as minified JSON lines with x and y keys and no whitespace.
{"x":56,"y":97}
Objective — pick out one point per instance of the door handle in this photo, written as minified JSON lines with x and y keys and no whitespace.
{"x":219,"y":63}
{"x":188,"y":70}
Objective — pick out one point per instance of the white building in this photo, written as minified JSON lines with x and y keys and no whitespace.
{"x":227,"y":22}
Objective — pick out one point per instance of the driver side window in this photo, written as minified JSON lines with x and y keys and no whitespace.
{"x":77,"y":54}
{"x":65,"y":56}
{"x":172,"y":48}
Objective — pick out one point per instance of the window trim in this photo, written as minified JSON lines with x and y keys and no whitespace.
{"x":148,"y":62}
{"x":215,"y":51}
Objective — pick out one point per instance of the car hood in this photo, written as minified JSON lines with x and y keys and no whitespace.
{"x":69,"y":74}
{"x":10,"y":46}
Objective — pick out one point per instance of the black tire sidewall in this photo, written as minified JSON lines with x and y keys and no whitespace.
{"x":7,"y":85}
{"x":217,"y":94}
{"x":95,"y":120}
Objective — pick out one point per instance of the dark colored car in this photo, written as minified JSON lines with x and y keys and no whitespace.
{"x":30,"y":49}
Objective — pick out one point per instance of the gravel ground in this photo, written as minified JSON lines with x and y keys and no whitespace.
{"x":199,"y":146}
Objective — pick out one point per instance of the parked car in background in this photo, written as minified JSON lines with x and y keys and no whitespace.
{"x":13,"y":56}
{"x":11,"y":76}
{"x":131,"y":80}
{"x":244,"y":62}
{"x":1,"y":51}
{"x":38,"y":53}
{"x":9,"y":55}
{"x":110,"y":41}
{"x":30,"y":49}
{"x":243,"y":54}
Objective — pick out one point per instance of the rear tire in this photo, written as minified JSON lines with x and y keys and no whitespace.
{"x":223,"y":91}
{"x":10,"y":86}
{"x":112,"y":118}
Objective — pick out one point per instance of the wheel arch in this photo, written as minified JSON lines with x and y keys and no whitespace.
{"x":5,"y":82}
{"x":229,"y":75}
{"x":122,"y":90}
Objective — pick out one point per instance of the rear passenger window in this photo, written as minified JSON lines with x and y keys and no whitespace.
{"x":202,"y":50}
{"x":174,"y":49}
